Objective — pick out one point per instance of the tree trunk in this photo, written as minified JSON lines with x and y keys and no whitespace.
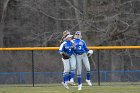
{"x":3,"y":9}
{"x":77,"y":14}
{"x":1,"y":34}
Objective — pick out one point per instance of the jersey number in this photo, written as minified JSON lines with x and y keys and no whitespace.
{"x":69,"y":50}
{"x":79,"y":47}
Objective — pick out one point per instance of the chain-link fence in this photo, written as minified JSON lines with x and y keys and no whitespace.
{"x":38,"y":68}
{"x":119,"y":67}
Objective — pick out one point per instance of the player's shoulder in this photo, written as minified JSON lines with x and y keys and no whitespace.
{"x":83,"y":41}
{"x":63,"y":43}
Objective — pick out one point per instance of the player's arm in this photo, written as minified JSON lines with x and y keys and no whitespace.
{"x":73,"y":45}
{"x":61,"y":48}
{"x":62,"y":52}
{"x":89,"y":52}
{"x":85,"y":46}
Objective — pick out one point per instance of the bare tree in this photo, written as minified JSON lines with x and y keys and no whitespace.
{"x":3,"y":10}
{"x":103,"y":22}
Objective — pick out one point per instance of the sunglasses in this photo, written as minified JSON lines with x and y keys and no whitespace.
{"x":76,"y":34}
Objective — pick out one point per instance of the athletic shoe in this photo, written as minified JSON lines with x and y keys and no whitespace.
{"x":71,"y":82}
{"x":65,"y":85}
{"x":80,"y":87}
{"x":89,"y":82}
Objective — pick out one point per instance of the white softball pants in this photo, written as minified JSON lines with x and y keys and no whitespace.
{"x":82,"y":58}
{"x":69,"y":64}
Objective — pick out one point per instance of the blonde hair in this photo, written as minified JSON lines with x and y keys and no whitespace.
{"x":66,"y":32}
{"x":64,"y":35}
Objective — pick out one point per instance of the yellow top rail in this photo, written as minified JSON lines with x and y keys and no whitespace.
{"x":56,"y":48}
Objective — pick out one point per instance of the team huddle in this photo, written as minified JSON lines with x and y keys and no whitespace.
{"x":74,"y":52}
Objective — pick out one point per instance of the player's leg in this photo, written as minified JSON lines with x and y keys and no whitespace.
{"x":87,"y":65}
{"x":66,"y":72}
{"x":73,"y":68}
{"x":79,"y":71}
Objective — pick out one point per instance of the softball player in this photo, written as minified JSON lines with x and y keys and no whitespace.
{"x":67,"y":51}
{"x":81,"y":56}
{"x":72,"y":72}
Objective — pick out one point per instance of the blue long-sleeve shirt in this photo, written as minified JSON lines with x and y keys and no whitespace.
{"x":80,"y":46}
{"x":67,"y":47}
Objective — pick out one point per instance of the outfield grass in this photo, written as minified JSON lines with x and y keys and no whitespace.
{"x":58,"y":88}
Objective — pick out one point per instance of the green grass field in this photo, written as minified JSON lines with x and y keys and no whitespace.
{"x":58,"y":88}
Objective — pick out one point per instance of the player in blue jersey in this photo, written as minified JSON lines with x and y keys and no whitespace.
{"x":67,"y":51}
{"x":73,"y":64}
{"x":81,"y":52}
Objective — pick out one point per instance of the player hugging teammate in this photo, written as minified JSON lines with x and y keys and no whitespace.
{"x":74,"y":52}
{"x":69,"y":62}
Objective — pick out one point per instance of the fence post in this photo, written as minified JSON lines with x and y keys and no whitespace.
{"x":33,"y":67}
{"x":98,"y":62}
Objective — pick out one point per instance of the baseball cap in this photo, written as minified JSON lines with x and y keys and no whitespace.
{"x":67,"y":36}
{"x":78,"y":32}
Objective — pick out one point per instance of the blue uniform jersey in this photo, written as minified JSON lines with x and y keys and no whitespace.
{"x":67,"y":47}
{"x":80,"y":46}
